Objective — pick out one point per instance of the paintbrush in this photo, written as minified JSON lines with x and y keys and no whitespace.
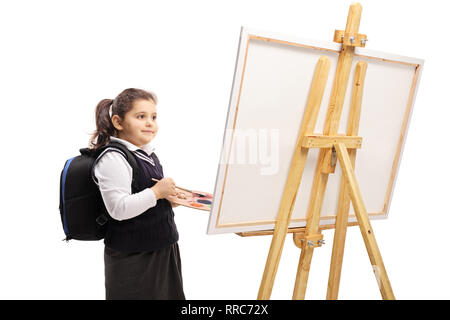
{"x":200,"y":194}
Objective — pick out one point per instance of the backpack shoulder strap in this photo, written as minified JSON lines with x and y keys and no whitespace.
{"x":127,"y":154}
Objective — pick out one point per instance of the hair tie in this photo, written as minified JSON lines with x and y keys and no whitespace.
{"x":110,"y":111}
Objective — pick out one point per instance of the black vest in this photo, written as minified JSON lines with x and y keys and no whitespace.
{"x":153,"y":229}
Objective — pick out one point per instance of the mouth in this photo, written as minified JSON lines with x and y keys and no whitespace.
{"x":147,"y":131}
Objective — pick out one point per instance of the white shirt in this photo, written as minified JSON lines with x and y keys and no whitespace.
{"x":114,"y":175}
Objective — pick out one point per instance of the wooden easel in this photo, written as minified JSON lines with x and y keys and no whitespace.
{"x":331,"y":145}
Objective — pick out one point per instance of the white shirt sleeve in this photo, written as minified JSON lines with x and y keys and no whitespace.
{"x":114,"y":175}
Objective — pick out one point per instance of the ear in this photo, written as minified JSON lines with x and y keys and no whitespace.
{"x":117,"y":122}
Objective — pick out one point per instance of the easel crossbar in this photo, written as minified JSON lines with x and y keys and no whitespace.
{"x":322,"y":141}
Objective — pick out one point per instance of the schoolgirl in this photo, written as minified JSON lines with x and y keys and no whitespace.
{"x":142,"y":258}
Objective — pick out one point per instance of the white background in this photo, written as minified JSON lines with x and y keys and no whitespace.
{"x":59,"y":59}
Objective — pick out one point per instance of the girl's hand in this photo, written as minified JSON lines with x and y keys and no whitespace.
{"x":181,"y":195}
{"x":174,"y":205}
{"x":164,"y":188}
{"x":172,"y":199}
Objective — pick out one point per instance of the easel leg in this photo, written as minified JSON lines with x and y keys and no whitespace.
{"x":312,"y":228}
{"x":344,"y":199}
{"x":340,"y":233}
{"x":301,"y":279}
{"x":364,"y":223}
{"x":293,"y":182}
{"x":342,"y":75}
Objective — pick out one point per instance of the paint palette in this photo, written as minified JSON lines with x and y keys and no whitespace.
{"x":194,"y":199}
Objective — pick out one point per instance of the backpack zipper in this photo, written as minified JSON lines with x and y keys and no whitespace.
{"x":66,"y":229}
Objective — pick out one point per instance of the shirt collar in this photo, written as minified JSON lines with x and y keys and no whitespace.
{"x":148,"y":148}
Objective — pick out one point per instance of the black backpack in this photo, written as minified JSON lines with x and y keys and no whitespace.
{"x":83,"y":213}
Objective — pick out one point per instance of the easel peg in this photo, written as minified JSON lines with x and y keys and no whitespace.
{"x":311,"y":241}
{"x":350,"y":38}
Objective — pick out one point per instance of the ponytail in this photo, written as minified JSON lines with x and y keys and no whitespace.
{"x":105,"y":127}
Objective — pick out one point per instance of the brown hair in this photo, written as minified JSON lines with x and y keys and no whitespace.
{"x":120,"y":106}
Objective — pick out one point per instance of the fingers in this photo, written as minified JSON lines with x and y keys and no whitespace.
{"x":179,"y":195}
{"x":172,"y":186}
{"x":169,"y":187}
{"x":171,"y":183}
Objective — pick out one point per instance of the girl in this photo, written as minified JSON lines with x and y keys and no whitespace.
{"x":142,"y":259}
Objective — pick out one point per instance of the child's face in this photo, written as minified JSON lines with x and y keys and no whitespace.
{"x":139,"y":126}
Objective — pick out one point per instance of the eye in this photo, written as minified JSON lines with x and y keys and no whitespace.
{"x":141,"y":116}
{"x":154,"y":117}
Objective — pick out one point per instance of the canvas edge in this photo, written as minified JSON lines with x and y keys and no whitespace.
{"x":211,"y":227}
{"x":413,"y":100}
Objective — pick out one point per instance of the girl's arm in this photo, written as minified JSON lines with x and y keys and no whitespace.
{"x":114,"y":175}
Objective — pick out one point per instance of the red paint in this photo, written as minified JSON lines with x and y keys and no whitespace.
{"x":194,"y":204}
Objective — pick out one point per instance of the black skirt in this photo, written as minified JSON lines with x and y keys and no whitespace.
{"x":144,"y":275}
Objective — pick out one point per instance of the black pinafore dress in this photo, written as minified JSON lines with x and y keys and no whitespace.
{"x":142,"y":257}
